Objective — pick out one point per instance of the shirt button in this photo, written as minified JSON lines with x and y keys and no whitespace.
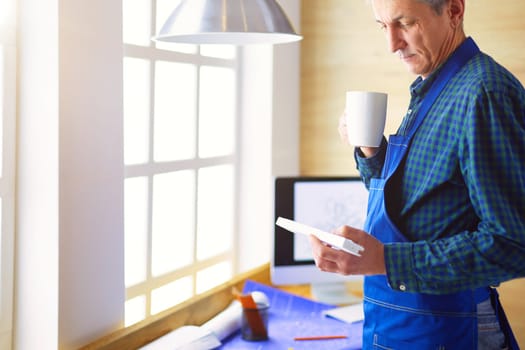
{"x":402,"y":287}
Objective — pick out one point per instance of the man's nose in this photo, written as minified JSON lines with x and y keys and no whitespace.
{"x":395,"y":39}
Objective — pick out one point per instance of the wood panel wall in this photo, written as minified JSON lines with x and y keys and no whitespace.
{"x":343,"y":49}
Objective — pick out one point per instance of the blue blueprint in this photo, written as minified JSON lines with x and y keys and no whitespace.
{"x":293,"y":316}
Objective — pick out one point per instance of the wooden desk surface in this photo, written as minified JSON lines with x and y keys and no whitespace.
{"x":202,"y":308}
{"x":511,"y":297}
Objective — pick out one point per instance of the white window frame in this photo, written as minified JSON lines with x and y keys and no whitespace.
{"x":85,"y":228}
{"x":267,"y":146}
{"x":149,"y":169}
{"x":55,"y":95}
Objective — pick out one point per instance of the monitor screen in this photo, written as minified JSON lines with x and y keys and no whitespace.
{"x":322,"y":202}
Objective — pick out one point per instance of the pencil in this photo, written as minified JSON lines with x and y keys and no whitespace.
{"x":321,"y":337}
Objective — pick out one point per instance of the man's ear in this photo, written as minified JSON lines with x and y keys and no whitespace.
{"x":455,"y":11}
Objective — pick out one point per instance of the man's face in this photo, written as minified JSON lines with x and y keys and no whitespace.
{"x":422,"y":38}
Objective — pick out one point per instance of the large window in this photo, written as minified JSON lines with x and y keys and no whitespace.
{"x":181,"y":163}
{"x":7,"y":166}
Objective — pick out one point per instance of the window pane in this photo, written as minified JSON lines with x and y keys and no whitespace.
{"x":213,"y":276}
{"x":215,"y":211}
{"x":164,"y":10}
{"x":175,"y":115}
{"x":216,"y":111}
{"x":171,"y":294}
{"x":134,"y":310}
{"x":173,"y":221}
{"x":136,"y":110}
{"x":136,"y":229}
{"x":136,"y":22}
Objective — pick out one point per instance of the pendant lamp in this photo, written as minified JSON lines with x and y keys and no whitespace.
{"x":235,"y":22}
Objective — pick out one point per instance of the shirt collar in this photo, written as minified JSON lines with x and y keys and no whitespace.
{"x":420,"y":86}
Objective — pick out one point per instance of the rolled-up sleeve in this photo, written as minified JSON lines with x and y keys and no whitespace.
{"x":370,"y":167}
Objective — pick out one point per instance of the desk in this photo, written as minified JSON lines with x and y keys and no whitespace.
{"x":294,"y":316}
{"x":193,"y":312}
{"x":199,"y":310}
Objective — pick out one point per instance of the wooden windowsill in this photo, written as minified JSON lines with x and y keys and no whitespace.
{"x":196,"y":311}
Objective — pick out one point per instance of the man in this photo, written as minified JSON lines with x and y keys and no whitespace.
{"x":446,"y":212}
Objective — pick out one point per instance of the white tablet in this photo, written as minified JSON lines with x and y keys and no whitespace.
{"x":333,"y":240}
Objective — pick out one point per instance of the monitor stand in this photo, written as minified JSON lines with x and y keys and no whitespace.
{"x":333,"y":293}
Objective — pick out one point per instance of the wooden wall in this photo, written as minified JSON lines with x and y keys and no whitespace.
{"x":343,"y":49}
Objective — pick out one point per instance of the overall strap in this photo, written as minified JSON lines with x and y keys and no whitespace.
{"x":462,"y":55}
{"x":457,"y":60}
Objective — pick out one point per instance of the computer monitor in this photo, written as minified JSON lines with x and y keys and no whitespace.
{"x":322,"y":202}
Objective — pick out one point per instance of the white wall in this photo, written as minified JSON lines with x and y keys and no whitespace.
{"x":286,"y":99}
{"x":69,"y":265}
{"x":36,"y":276}
{"x":269,"y":137}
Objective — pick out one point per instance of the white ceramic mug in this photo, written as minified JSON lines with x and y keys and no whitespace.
{"x":365,"y":117}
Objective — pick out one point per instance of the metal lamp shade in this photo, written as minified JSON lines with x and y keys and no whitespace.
{"x":236,"y":22}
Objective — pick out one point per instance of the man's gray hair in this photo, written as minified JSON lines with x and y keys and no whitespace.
{"x":437,"y":5}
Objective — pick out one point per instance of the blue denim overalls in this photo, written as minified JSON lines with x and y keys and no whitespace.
{"x":404,"y":320}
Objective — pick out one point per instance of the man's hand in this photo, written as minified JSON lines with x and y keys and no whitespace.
{"x":371,"y":261}
{"x":343,"y":135}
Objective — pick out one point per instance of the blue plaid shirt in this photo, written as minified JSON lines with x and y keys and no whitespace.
{"x":459,"y":196}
